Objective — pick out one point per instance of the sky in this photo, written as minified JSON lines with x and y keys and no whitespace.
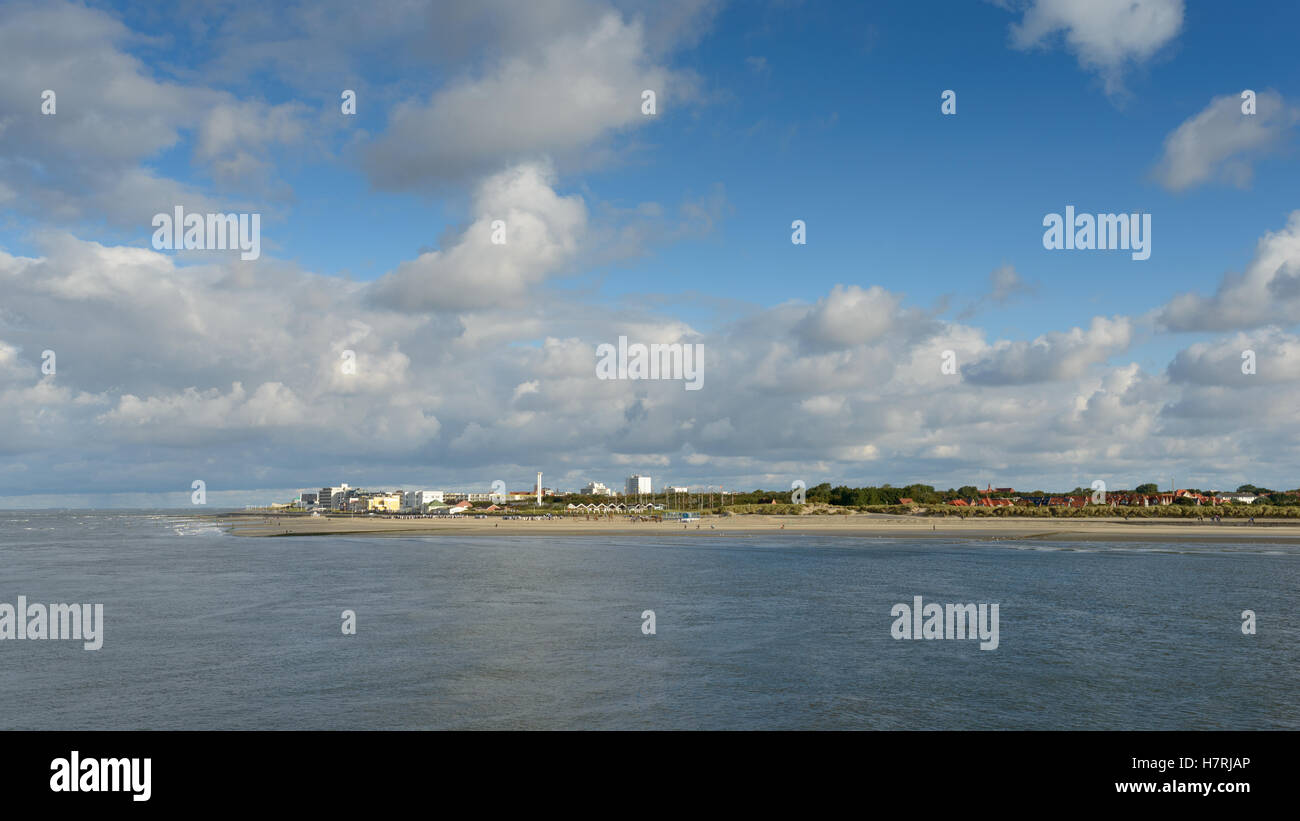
{"x":381,"y":338}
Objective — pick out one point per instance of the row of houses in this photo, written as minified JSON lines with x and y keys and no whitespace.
{"x":1004,"y":497}
{"x":613,"y":507}
{"x":355,"y":500}
{"x":347,"y":499}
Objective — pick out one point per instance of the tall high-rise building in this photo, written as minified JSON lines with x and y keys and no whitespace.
{"x":332,"y":498}
{"x":637,"y":486}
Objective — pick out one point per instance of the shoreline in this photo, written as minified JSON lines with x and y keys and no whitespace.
{"x":860,"y":525}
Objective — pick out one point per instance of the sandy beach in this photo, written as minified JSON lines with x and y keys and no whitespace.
{"x":859,"y":525}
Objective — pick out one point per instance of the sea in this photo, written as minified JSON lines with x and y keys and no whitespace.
{"x":205,"y":630}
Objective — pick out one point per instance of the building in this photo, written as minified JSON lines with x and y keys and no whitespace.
{"x":384,"y":502}
{"x":1240,"y":497}
{"x":307,"y":499}
{"x":637,"y":485}
{"x":334,"y":498}
{"x":677,"y":489}
{"x":417,"y":499}
{"x":595,"y":489}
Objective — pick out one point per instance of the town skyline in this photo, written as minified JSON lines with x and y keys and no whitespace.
{"x":220,"y":498}
{"x":420,"y":252}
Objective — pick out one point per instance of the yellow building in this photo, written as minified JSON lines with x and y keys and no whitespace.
{"x":388,"y":503}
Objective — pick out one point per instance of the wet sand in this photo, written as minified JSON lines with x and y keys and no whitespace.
{"x":860,"y":525}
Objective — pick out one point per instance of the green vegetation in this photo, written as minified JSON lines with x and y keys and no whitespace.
{"x":823,"y":499}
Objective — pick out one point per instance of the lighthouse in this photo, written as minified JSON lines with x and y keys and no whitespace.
{"x":539,"y":488}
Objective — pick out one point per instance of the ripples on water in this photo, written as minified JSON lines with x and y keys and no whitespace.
{"x":205,"y":630}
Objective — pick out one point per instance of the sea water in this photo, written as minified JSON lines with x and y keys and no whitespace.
{"x":204,"y":630}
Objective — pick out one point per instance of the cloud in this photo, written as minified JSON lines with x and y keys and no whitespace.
{"x":87,"y":161}
{"x":1221,"y":143}
{"x":852,"y":316}
{"x":580,"y":88}
{"x":233,"y":137}
{"x":1267,"y":292}
{"x":1053,"y":356}
{"x":193,"y":418}
{"x":542,"y":231}
{"x":303,"y":43}
{"x":194,"y":371}
{"x":1005,"y":284}
{"x":1107,"y":36}
{"x":1220,"y":362}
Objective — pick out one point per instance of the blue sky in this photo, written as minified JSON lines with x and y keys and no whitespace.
{"x":676,"y":224}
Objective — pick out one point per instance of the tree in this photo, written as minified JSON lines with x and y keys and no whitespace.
{"x":922,"y":494}
{"x":842,"y":495}
{"x":1149,"y":487}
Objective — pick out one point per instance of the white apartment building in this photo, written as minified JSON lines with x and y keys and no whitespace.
{"x":417,"y":499}
{"x":451,"y":497}
{"x":637,"y":485}
{"x":332,"y":497}
{"x":596,"y":489}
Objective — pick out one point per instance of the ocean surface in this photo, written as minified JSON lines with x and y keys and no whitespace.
{"x":774,"y":631}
